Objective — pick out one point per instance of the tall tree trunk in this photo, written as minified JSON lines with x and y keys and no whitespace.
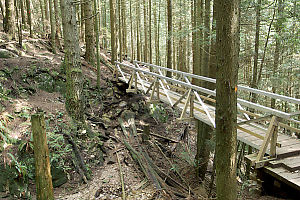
{"x":47,"y":16}
{"x":227,"y":25}
{"x":131,"y":33}
{"x":43,"y":18}
{"x":265,"y":49}
{"x":74,"y":98}
{"x":197,"y":39}
{"x":112,"y":31}
{"x":257,"y":34}
{"x":9,"y":24}
{"x":120,"y":31}
{"x":57,"y":23}
{"x":2,"y":11}
{"x":82,"y":25}
{"x":205,"y":131}
{"x":206,"y":41}
{"x":19,"y":21}
{"x":278,"y":28}
{"x":52,"y":25}
{"x":124,"y":27}
{"x":169,"y":37}
{"x":29,"y":11}
{"x":96,"y":24}
{"x":145,"y":33}
{"x":150,"y":30}
{"x":138,"y":24}
{"x":105,"y":27}
{"x":157,"y":36}
{"x":23,"y":13}
{"x":89,"y":32}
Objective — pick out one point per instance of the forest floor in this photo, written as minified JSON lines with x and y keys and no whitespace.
{"x":30,"y":77}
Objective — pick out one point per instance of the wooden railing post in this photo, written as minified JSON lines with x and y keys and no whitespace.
{"x":43,"y":178}
{"x":269,"y":134}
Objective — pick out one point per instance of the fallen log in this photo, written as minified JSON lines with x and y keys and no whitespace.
{"x":80,"y":162}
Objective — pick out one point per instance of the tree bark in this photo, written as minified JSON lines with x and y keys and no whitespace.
{"x":150,"y":30}
{"x":257,"y":34}
{"x":112,"y":31}
{"x":52,"y":26}
{"x":227,"y":26}
{"x":29,"y":11}
{"x":197,"y":39}
{"x":43,"y":178}
{"x":145,"y":33}
{"x":278,"y":27}
{"x":8,"y":22}
{"x":138,"y":24}
{"x":96,"y":24}
{"x":89,"y":32}
{"x":23,"y":13}
{"x":169,"y":37}
{"x":131,"y":33}
{"x":57,"y":23}
{"x":74,"y":87}
{"x":43,"y":18}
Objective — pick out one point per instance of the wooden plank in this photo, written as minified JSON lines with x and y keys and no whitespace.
{"x":268,"y":136}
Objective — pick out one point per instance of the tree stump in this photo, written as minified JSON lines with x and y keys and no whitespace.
{"x":43,"y":178}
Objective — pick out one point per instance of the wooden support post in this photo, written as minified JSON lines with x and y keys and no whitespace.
{"x":189,"y":101}
{"x":274,"y":142}
{"x":180,"y":99}
{"x":150,"y":87}
{"x":155,"y":88}
{"x":266,"y":141}
{"x":192,"y":105}
{"x":43,"y":178}
{"x":132,"y":78}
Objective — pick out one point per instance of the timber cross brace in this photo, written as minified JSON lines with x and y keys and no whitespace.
{"x":258,"y":159}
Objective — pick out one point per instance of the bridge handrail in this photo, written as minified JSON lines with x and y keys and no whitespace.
{"x":241,"y":87}
{"x":213,"y":93}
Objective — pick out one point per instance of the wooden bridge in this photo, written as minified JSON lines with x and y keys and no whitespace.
{"x":267,"y":130}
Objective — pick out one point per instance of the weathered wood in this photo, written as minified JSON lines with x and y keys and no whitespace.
{"x":80,"y":161}
{"x":146,"y":133}
{"x":266,"y":141}
{"x":43,"y":178}
{"x":121,"y":176}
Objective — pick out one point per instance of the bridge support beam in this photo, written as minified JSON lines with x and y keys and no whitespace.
{"x":155,"y":88}
{"x":189,"y":102}
{"x":132,"y":79}
{"x":271,"y":137}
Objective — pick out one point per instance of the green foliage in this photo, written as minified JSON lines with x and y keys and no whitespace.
{"x":158,"y":112}
{"x":21,"y":168}
{"x":24,"y":113}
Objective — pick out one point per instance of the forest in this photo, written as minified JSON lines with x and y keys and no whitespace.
{"x":149,"y":99}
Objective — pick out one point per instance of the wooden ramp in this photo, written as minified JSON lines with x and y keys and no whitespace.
{"x":264,"y":129}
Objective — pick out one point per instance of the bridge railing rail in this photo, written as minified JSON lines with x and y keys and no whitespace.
{"x":243,"y":102}
{"x":155,"y":79}
{"x":140,"y":70}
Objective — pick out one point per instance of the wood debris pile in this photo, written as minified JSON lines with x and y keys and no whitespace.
{"x":155,"y":160}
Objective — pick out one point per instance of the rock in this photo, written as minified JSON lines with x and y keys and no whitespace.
{"x":127,"y":114}
{"x":135,"y":107}
{"x":59,"y":177}
{"x":123,"y":104}
{"x":7,"y":54}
